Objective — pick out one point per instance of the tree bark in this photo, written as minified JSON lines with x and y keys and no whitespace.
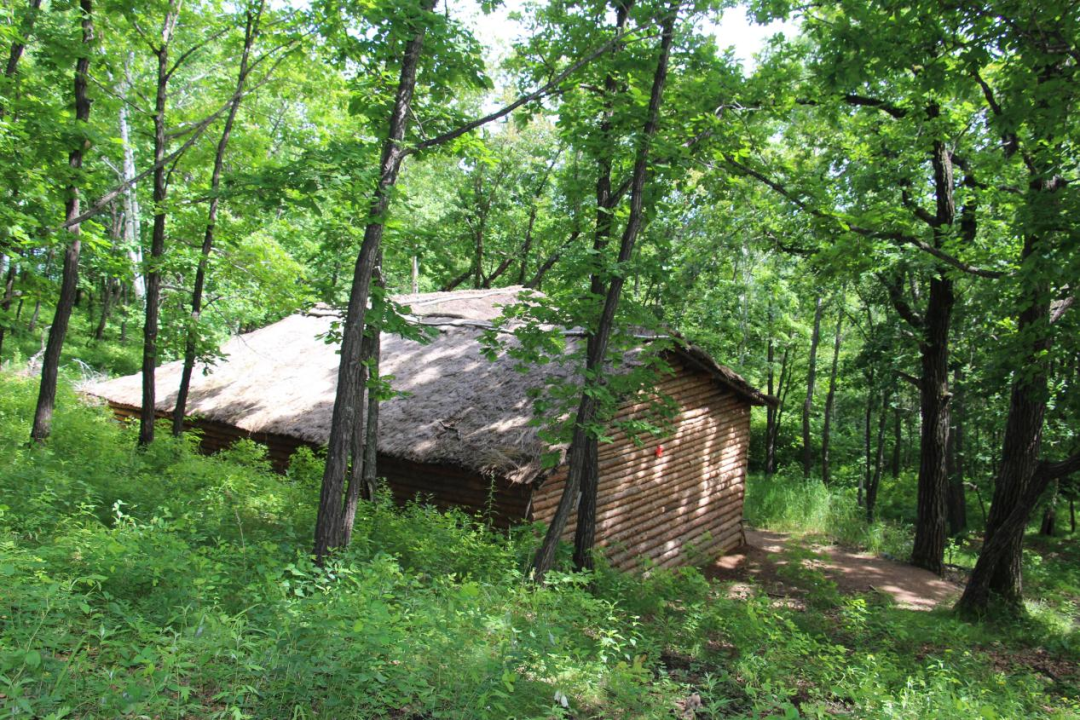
{"x":1023,"y":437}
{"x":808,"y":403}
{"x":251,"y":30}
{"x":363,"y":473}
{"x":110,"y":290}
{"x":585,"y":532}
{"x":957,"y":501}
{"x":5,"y":302}
{"x":50,"y":364}
{"x":1008,"y":532}
{"x":582,"y":459}
{"x":131,"y":196}
{"x":147,"y":413}
{"x":18,"y":46}
{"x":830,"y":396}
{"x":1049,"y":519}
{"x":879,"y":458}
{"x":774,"y":414}
{"x":349,"y":395}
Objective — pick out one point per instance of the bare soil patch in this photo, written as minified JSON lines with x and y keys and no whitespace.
{"x":853,"y":572}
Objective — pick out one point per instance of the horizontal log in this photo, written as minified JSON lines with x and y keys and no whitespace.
{"x":712,"y":552}
{"x":649,"y":511}
{"x":713,"y":426}
{"x":658,"y":546}
{"x":620,"y":486}
{"x":655,"y":522}
{"x":674,"y":459}
{"x":703,"y":447}
{"x":640,"y":518}
{"x":628,"y":498}
{"x":699,"y":408}
{"x":686,"y":397}
{"x":659,"y":552}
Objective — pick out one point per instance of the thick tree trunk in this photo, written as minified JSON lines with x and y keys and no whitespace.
{"x":349,"y":395}
{"x":830,"y":397}
{"x":1008,"y":532}
{"x":582,"y":458}
{"x":934,"y":396}
{"x":1022,"y":443}
{"x":50,"y":364}
{"x":251,"y":30}
{"x":147,"y":413}
{"x":808,"y":403}
{"x":930,"y":536}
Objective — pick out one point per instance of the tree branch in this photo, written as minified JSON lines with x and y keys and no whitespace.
{"x":895,"y":236}
{"x":537,"y":94}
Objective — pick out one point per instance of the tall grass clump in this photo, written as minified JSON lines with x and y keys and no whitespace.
{"x":788,"y":502}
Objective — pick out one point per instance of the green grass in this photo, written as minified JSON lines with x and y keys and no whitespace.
{"x":82,"y":355}
{"x":164,"y":584}
{"x":786,"y":502}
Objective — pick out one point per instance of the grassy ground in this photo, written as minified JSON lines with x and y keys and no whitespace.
{"x":164,"y":584}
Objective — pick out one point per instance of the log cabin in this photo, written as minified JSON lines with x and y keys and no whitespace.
{"x":461,"y":431}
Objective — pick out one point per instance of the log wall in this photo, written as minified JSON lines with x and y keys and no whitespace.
{"x":444,"y":486}
{"x":679,"y":507}
{"x":682,"y":506}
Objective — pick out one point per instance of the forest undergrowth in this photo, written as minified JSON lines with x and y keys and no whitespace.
{"x":162,"y":583}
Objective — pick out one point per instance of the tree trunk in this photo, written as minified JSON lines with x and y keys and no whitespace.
{"x":251,"y":30}
{"x":19,"y":45}
{"x":830,"y":396}
{"x":585,"y":532}
{"x":929,"y":548}
{"x":773,"y":414}
{"x":363,"y":474}
{"x":879,"y":458}
{"x":930,"y":537}
{"x":349,"y":395}
{"x":109,"y":292}
{"x":1049,"y":519}
{"x":582,"y":458}
{"x":808,"y":403}
{"x":147,"y":414}
{"x":5,"y":302}
{"x":1023,"y":437}
{"x":1009,"y":531}
{"x":898,"y":441}
{"x":957,"y":501}
{"x":50,"y":364}
{"x":131,"y":196}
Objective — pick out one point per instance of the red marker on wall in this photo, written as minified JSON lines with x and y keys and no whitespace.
{"x":659,"y":451}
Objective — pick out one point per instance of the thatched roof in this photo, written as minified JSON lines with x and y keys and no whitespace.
{"x":460,"y":408}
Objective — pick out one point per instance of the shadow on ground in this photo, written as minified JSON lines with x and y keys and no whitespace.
{"x":765,"y":554}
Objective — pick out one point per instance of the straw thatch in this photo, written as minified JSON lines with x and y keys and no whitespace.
{"x":458,"y":407}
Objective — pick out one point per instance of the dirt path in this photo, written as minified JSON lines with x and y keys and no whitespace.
{"x":765,"y":552}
